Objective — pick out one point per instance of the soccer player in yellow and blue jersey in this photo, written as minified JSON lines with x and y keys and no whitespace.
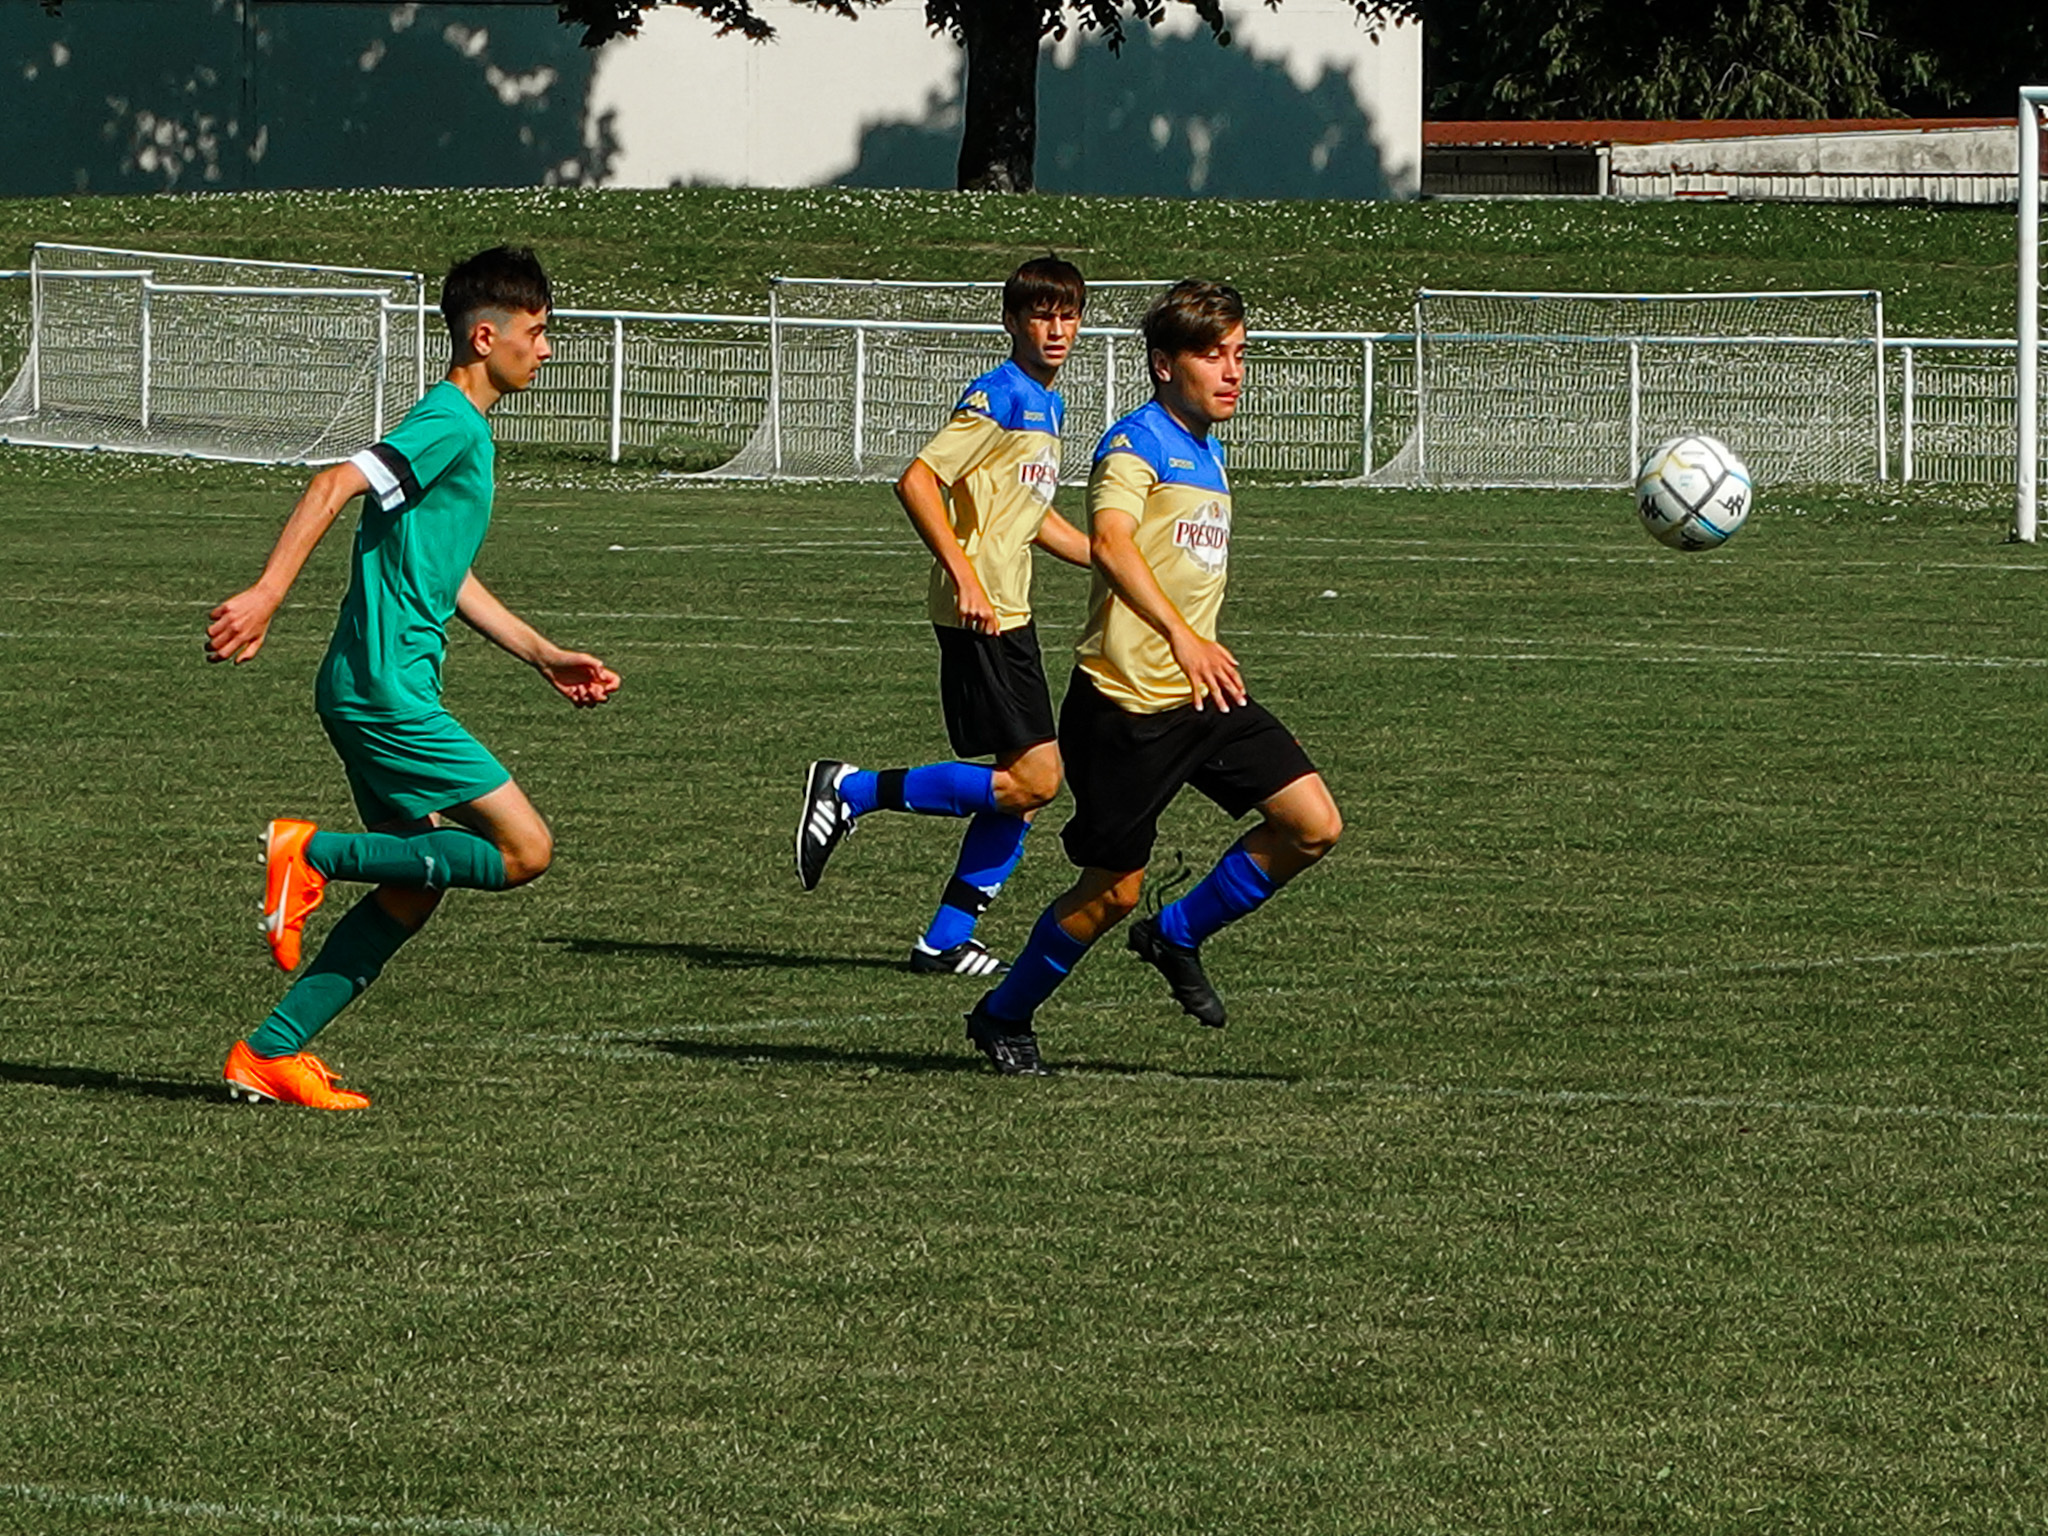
{"x":443,"y":813}
{"x":980,"y":496}
{"x":1156,"y":701}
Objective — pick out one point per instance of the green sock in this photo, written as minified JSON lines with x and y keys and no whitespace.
{"x":349,"y":961}
{"x":445,"y":859}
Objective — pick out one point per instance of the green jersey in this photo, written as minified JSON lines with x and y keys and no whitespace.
{"x":423,"y":521}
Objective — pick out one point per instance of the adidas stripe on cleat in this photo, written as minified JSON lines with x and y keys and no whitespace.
{"x":823,"y":823}
{"x":292,"y":889}
{"x":968,"y":958}
{"x":303,"y":1079}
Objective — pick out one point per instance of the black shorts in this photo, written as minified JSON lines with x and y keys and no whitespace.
{"x":1125,"y":768}
{"x":992,"y":690}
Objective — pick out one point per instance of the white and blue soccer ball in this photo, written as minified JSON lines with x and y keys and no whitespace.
{"x":1693,"y":493}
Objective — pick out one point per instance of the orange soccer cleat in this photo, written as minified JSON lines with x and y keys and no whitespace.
{"x":292,"y":889}
{"x":301,"y":1079}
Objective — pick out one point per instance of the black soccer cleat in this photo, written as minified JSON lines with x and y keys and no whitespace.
{"x":823,"y":823}
{"x":1182,"y":969}
{"x":1013,"y":1048}
{"x":968,"y":958}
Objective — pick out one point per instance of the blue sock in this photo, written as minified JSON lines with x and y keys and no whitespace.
{"x":936,"y":789}
{"x":1234,"y":887}
{"x":988,"y":853}
{"x":1035,"y":974}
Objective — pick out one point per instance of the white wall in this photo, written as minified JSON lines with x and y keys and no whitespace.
{"x":690,"y":106}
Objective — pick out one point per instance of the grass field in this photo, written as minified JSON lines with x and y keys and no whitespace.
{"x":1638,"y":1123}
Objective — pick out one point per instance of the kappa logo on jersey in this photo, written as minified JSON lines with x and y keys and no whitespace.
{"x":977,"y":400}
{"x":1204,"y":535}
{"x":1121,"y":440}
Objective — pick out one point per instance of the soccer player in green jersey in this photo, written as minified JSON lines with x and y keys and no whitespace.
{"x":442,"y":812}
{"x":980,"y":496}
{"x":1157,"y":702}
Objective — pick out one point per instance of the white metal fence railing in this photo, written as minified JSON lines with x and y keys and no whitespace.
{"x":805,"y":395}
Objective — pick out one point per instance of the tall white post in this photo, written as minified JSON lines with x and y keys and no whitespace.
{"x":775,"y":376}
{"x":1635,"y":412}
{"x":145,"y":354}
{"x":618,"y":386}
{"x":1884,"y":430}
{"x":1907,"y":414}
{"x":382,"y":370}
{"x":2029,"y":337}
{"x":860,"y":397}
{"x":1365,"y":386}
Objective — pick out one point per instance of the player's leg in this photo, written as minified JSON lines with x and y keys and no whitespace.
{"x":1026,"y":781}
{"x":1123,"y":770}
{"x":993,"y":697}
{"x":1258,"y":765}
{"x":997,"y":704}
{"x":400,"y":773}
{"x":1001,"y":1023}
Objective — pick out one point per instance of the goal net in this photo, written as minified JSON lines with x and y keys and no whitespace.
{"x":214,"y":357}
{"x":860,"y":374}
{"x":1572,"y":389}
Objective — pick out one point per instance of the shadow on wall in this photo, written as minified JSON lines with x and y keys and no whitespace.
{"x":198,"y":95}
{"x":1171,"y":117}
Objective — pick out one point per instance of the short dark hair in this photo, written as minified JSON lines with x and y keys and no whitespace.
{"x":1046,"y":283}
{"x":1192,"y":316}
{"x":506,"y":277}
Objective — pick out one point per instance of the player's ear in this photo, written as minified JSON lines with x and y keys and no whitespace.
{"x":1162,"y":366}
{"x":483,"y":336}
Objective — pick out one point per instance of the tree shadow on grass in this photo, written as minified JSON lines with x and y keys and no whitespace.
{"x":93,"y":1080}
{"x":720,"y":957}
{"x":964,"y":1061}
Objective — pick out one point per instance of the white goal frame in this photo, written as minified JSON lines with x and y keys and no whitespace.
{"x":2033,"y":98}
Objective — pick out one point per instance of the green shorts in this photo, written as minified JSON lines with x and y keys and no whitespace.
{"x":403,"y":770}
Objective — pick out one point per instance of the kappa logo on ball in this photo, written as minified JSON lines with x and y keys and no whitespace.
{"x":1204,"y":535}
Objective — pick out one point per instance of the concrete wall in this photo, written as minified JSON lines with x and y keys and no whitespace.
{"x":1954,"y":165}
{"x":1303,"y":104}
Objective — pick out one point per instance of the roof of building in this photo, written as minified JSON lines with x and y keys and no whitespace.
{"x":1596,"y":131}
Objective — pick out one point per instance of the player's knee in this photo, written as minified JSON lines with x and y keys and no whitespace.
{"x":1321,"y":834}
{"x":1121,"y":899}
{"x":527,"y":858}
{"x":1029,"y":786}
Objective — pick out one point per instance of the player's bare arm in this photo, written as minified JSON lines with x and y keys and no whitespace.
{"x":577,"y":676}
{"x":924,"y":502}
{"x":239,"y":625}
{"x":1060,"y":538}
{"x":1211,"y":669}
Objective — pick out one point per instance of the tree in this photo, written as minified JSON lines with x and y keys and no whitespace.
{"x":1001,"y":38}
{"x":1504,"y":59}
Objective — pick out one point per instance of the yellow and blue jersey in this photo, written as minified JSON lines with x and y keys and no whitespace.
{"x":999,"y":460}
{"x":1175,"y":486}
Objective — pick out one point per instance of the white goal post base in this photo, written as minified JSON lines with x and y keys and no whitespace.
{"x":2033,"y":98}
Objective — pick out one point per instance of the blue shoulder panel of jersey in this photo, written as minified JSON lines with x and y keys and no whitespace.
{"x":1176,"y":458}
{"x":1013,"y":400}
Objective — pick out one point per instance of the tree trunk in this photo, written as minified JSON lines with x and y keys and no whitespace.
{"x":999,"y":138}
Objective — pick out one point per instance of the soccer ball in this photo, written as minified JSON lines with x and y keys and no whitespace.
{"x":1692,"y":493}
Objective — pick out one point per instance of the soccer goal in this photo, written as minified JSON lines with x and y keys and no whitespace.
{"x":214,"y":357}
{"x":2033,"y":101}
{"x":861,"y":373}
{"x":1572,"y":389}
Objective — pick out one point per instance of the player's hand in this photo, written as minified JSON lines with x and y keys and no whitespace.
{"x":977,"y":613}
{"x":1212,"y":670}
{"x":580,"y":678}
{"x":239,"y":626}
